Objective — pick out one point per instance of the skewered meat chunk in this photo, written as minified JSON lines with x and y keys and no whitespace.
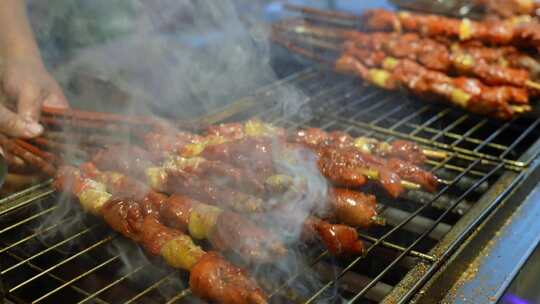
{"x":340,"y":240}
{"x":236,"y":234}
{"x":124,"y":216}
{"x":413,"y":173}
{"x":353,"y":208}
{"x":214,"y":278}
{"x":217,"y":136}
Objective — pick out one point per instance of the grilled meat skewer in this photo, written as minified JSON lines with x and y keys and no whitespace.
{"x":137,"y":162}
{"x":501,"y":32}
{"x":467,"y":93}
{"x":255,"y":155}
{"x":190,"y":144}
{"x":315,"y":137}
{"x":339,"y":239}
{"x":211,"y":277}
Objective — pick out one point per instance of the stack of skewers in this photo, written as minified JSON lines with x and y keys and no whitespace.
{"x":194,"y":198}
{"x":485,"y":67}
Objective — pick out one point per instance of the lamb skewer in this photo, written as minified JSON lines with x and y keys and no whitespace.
{"x":467,"y":93}
{"x":391,"y":74}
{"x":315,"y":137}
{"x":440,"y":55}
{"x":211,"y":277}
{"x":188,"y":144}
{"x":522,"y":31}
{"x":255,"y":154}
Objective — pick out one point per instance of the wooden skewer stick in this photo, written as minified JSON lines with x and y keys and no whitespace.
{"x":35,"y":150}
{"x":321,"y":13}
{"x":434,"y":153}
{"x":27,"y":156}
{"x":374,"y":175}
{"x":61,"y":147}
{"x":300,"y":50}
{"x":100,"y":116}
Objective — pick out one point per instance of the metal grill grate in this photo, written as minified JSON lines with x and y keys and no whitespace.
{"x":485,"y":160}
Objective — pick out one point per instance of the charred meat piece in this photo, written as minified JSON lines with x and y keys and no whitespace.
{"x":124,"y":216}
{"x":348,"y":168}
{"x":213,"y":278}
{"x":340,"y":240}
{"x":353,"y":208}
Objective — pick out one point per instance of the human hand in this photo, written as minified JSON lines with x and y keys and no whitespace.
{"x":27,"y":84}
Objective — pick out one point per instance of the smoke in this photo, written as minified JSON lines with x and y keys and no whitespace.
{"x":181,"y":59}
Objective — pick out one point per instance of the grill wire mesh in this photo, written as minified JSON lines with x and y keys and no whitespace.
{"x":39,"y":265}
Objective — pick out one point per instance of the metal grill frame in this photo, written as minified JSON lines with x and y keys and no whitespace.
{"x":511,"y":173}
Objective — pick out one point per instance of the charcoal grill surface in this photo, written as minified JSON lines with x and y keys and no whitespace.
{"x":485,"y":160}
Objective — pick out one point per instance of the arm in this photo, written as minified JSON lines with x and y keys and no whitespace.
{"x":25,"y":80}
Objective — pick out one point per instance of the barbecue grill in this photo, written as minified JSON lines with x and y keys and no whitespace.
{"x":485,"y":164}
